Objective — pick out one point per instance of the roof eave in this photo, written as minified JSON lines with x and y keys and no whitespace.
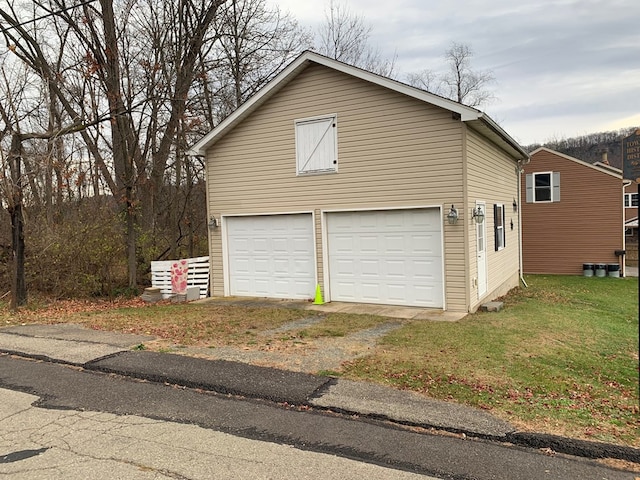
{"x":484,"y":125}
{"x":470,"y":115}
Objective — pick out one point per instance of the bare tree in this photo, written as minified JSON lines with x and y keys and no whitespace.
{"x":145,"y":113}
{"x":426,"y":80}
{"x":345,"y":36}
{"x":131,"y":83}
{"x":256,"y":41}
{"x":19,"y":109}
{"x":460,"y":82}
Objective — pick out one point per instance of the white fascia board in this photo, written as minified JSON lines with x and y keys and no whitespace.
{"x":467,"y":114}
{"x":504,"y":135}
{"x":241,"y":112}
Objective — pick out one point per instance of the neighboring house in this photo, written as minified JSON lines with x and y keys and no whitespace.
{"x":572,"y":213}
{"x":335,"y":177}
{"x":631,"y":221}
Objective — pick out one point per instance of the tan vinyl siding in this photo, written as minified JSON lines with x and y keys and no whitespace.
{"x":393,"y":151}
{"x":584,"y":227}
{"x":492,"y":179}
{"x":385,"y":157}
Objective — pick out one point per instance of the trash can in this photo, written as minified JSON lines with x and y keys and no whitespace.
{"x":587,"y":269}
{"x":601,"y":270}
{"x":614,"y":270}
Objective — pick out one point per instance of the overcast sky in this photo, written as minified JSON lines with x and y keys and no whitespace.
{"x":563,"y":68}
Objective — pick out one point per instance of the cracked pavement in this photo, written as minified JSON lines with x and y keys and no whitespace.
{"x":37,"y":443}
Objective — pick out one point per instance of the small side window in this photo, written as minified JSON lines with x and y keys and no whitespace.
{"x":499,"y":231}
{"x":630,"y":200}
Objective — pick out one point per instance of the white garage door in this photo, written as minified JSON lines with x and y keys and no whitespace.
{"x":271,"y":256}
{"x":389,"y":257}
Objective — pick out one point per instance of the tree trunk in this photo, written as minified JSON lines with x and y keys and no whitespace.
{"x":18,"y":284}
{"x":132,"y":263}
{"x":121,"y":134}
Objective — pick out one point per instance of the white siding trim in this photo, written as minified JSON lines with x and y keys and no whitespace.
{"x":467,"y":114}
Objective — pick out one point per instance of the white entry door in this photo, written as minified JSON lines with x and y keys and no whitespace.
{"x":481,"y":247}
{"x":391,"y":257}
{"x":271,"y":256}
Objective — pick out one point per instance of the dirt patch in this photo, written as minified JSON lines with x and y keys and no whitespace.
{"x":310,"y":355}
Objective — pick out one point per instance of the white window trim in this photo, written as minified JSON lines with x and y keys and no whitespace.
{"x":628,"y":200}
{"x":500,"y":231}
{"x":334,"y":167}
{"x":550,"y":187}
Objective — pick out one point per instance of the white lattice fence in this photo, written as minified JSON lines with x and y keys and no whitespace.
{"x":197,"y":275}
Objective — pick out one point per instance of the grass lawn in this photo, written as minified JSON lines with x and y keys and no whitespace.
{"x":561,"y":357}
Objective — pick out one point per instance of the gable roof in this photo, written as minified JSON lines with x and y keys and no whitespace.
{"x":476,"y":119}
{"x":609,"y":170}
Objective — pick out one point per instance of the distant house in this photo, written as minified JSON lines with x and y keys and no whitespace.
{"x":572,"y":213}
{"x":372,"y":190}
{"x":631,"y":221}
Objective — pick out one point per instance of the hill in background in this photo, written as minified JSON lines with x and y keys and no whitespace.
{"x":591,"y":148}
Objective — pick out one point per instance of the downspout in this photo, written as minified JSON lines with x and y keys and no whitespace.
{"x":625,"y":184}
{"x":519,"y":170}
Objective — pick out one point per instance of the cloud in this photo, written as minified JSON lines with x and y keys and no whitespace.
{"x":560,"y":65}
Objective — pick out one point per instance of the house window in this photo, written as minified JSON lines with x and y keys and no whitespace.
{"x":543,"y":187}
{"x":317,"y":145}
{"x":498,"y":217}
{"x":630,"y":200}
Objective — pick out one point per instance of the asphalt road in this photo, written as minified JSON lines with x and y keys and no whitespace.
{"x":369,"y":442}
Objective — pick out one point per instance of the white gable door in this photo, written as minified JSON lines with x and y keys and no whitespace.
{"x":270,"y":256}
{"x":391,"y":257}
{"x":481,"y":248}
{"x":316,"y":145}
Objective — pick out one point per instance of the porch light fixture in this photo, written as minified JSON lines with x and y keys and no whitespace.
{"x":478,"y":215}
{"x":213,"y":223}
{"x":452,"y":216}
{"x":515,"y":206}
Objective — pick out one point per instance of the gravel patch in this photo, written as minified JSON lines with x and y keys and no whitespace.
{"x":309,"y":355}
{"x":298,"y":324}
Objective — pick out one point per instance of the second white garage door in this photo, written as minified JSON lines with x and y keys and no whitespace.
{"x":389,"y":257}
{"x":271,"y":256}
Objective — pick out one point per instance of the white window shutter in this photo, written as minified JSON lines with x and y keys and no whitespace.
{"x":529,"y":187}
{"x":316,"y":145}
{"x":556,"y":187}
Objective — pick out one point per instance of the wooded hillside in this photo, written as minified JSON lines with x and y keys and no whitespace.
{"x":591,"y":147}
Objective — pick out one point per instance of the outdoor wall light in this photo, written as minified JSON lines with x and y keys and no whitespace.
{"x":478,"y":214}
{"x":515,"y":206}
{"x":452,"y":216}
{"x":213,"y":223}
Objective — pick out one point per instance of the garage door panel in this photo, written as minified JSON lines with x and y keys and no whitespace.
{"x":369,"y":268}
{"x":395,"y":268}
{"x":371,"y":291}
{"x":271,"y":256}
{"x":397,"y":293}
{"x":390,"y":257}
{"x":299,"y":245}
